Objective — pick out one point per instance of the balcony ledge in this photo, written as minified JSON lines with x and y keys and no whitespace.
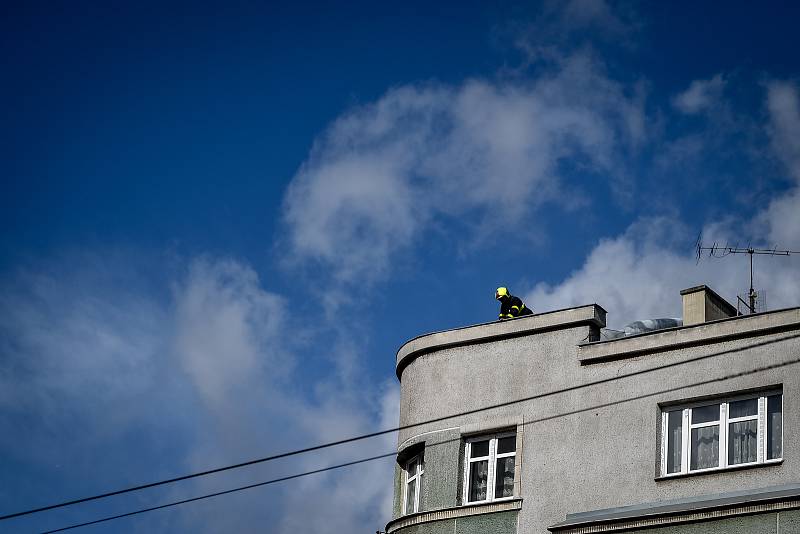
{"x":452,"y":513}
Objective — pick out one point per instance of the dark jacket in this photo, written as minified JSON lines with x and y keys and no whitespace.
{"x":512,"y":306}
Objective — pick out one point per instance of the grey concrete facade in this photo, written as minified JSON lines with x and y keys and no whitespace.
{"x":587,"y":417}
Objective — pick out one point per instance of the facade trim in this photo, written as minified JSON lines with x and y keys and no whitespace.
{"x":453,"y":513}
{"x":414,"y":440}
{"x":686,"y":517}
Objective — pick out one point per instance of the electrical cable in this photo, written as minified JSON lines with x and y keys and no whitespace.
{"x":364,"y":460}
{"x":218,"y":493}
{"x":391,"y":430}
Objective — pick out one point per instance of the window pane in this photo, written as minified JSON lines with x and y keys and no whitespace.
{"x":412,"y":468}
{"x":743,"y":408}
{"x":705,"y":447}
{"x":479,"y":448}
{"x":705,"y":414}
{"x":674,"y":441}
{"x":504,"y":478}
{"x":508,"y":444}
{"x":410,"y":493}
{"x":478,"y":480}
{"x":742,"y":442}
{"x":774,"y":427}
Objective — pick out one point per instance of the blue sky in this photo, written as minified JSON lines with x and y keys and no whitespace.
{"x":219,"y":222}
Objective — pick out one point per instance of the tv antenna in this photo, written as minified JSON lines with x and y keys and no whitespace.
{"x":720,"y":251}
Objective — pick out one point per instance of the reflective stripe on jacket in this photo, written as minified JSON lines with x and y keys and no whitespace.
{"x":513,"y":307}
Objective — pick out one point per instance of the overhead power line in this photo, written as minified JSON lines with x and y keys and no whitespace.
{"x":218,"y":493}
{"x":389,"y":430}
{"x":372,"y":458}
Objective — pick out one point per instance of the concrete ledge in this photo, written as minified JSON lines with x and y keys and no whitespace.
{"x":482,"y":333}
{"x":421,"y":438}
{"x":688,"y":510}
{"x":452,"y":513}
{"x":686,"y":336}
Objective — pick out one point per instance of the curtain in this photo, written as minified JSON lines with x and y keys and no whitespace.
{"x":674,"y":441}
{"x":774,"y":427}
{"x":410,"y":494}
{"x":705,"y":447}
{"x":478,"y":480}
{"x":504,"y":478}
{"x":742,"y":442}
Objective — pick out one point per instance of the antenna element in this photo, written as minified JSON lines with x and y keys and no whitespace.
{"x":719,"y":251}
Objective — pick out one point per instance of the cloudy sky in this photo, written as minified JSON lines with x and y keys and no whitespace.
{"x":219,"y":222}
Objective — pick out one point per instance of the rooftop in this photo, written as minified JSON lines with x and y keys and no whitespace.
{"x":595,"y":350}
{"x":591,"y":314}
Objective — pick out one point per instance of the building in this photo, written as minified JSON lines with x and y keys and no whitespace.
{"x":539,"y":425}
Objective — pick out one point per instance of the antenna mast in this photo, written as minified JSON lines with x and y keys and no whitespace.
{"x":718,"y":251}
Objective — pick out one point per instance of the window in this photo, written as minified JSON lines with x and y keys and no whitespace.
{"x":718,"y":435}
{"x":489,"y":467}
{"x":415,"y":468}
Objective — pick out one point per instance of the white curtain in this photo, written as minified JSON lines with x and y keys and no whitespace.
{"x":742,"y":442}
{"x":705,"y":447}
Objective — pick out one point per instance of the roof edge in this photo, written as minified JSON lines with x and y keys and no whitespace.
{"x":590,"y":314}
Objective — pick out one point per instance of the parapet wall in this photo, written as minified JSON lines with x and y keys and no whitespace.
{"x":591,"y":315}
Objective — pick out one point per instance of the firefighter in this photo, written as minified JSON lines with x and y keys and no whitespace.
{"x":510,"y":306}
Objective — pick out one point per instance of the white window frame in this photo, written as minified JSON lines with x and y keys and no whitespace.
{"x":723,"y":421}
{"x":492,"y":466}
{"x":766,"y":428}
{"x":411,"y":477}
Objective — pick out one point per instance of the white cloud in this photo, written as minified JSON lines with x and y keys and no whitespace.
{"x":235,"y":343}
{"x":639,"y":274}
{"x":635,"y":278}
{"x":488,"y":152}
{"x":228,"y":330}
{"x":784,"y":110}
{"x":65,"y":341}
{"x":780,"y":222}
{"x":178,"y":381}
{"x":355,"y":499}
{"x":701,"y":96}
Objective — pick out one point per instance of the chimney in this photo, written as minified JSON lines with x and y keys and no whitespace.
{"x":701,"y":304}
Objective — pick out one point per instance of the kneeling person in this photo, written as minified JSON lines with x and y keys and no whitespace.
{"x":510,"y":306}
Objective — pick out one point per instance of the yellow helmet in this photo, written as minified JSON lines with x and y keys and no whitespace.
{"x":501,"y":292}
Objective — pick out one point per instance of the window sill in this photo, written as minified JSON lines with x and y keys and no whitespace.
{"x":479,"y":503}
{"x":769,"y":463}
